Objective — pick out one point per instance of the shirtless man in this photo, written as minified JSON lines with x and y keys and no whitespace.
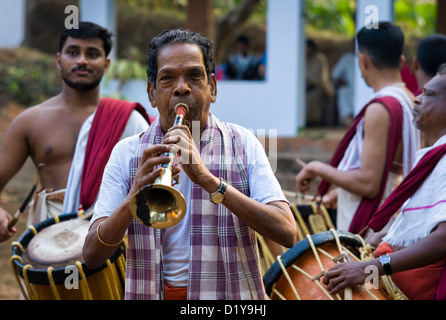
{"x":360,"y":169}
{"x":48,"y":132}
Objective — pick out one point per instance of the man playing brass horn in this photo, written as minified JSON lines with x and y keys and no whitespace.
{"x":226,"y":179}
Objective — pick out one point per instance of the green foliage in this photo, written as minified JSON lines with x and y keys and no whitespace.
{"x":176,"y":7}
{"x":416,"y":17}
{"x":28,"y":76}
{"x":338,"y":17}
{"x":124,"y":70}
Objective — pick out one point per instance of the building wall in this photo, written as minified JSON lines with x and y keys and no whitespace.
{"x":12,"y":23}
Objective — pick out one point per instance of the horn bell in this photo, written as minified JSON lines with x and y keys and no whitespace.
{"x":158,"y":206}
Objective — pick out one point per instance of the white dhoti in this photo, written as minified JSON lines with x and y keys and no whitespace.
{"x":46,"y":204}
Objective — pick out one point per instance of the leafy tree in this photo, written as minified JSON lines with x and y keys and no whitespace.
{"x":416,"y":17}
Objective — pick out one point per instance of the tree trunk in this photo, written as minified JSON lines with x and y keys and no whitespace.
{"x":227,"y":26}
{"x":200,"y":17}
{"x":441,"y":11}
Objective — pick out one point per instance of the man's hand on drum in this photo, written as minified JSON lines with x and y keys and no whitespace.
{"x":306,"y":176}
{"x":344,"y":275}
{"x":5,"y":233}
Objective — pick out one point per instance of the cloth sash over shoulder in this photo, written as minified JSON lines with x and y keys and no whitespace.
{"x":108,"y":125}
{"x":223,"y":261}
{"x":368,"y":206}
{"x":404,"y":191}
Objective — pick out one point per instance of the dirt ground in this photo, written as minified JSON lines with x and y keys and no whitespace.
{"x":11,"y":199}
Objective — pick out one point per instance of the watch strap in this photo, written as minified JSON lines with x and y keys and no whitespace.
{"x":386,"y":265}
{"x":221,"y":190}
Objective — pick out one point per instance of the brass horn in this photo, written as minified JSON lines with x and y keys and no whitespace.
{"x":160,"y":205}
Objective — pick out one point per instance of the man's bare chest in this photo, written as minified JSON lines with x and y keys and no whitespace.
{"x":53,"y":140}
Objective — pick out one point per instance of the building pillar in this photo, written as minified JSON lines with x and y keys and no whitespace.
{"x":12,"y":23}
{"x":103,"y":13}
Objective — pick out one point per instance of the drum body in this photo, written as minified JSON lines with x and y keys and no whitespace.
{"x":298,"y":273}
{"x":310,"y":217}
{"x":47,"y":262}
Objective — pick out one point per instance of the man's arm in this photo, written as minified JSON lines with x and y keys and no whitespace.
{"x":273,"y":220}
{"x":424,"y":252}
{"x":14,"y":151}
{"x":100,"y":244}
{"x":366,"y":180}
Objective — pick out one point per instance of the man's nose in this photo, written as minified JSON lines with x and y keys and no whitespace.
{"x":82,"y":59}
{"x":418,"y":99}
{"x":182,"y":88}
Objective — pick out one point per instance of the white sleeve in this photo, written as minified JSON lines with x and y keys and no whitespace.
{"x":263,"y":184}
{"x":136,"y":124}
{"x":115,"y":181}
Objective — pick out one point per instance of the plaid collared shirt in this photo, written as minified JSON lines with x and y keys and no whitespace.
{"x":224,"y":258}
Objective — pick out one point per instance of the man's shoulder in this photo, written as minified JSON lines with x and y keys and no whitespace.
{"x":376,"y":118}
{"x":52,"y":102}
{"x":31,"y":113}
{"x":126,"y":148}
{"x":242,"y":131}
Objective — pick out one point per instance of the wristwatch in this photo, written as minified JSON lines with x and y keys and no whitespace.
{"x":219,"y":195}
{"x":385,"y":262}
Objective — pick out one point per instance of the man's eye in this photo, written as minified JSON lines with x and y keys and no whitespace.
{"x":93,"y":54}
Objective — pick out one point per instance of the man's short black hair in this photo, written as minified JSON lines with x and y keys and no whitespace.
{"x":431,"y":53}
{"x":88,"y":30}
{"x":383,"y":44}
{"x":174,"y":36}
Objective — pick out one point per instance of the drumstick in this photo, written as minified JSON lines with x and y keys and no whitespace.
{"x":292,"y":194}
{"x":25,"y":203}
{"x":348,"y":293}
{"x":87,"y":215}
{"x":302,"y":164}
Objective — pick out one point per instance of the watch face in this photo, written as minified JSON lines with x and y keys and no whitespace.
{"x":217,"y":197}
{"x":385,"y":259}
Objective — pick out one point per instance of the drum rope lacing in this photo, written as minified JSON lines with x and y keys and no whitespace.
{"x":318,"y":221}
{"x":365,"y":252}
{"x":386,"y":281}
{"x":31,"y":292}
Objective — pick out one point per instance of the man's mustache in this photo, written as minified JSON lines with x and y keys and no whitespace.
{"x":81,"y":68}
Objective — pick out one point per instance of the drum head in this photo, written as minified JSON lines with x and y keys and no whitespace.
{"x":58,"y":245}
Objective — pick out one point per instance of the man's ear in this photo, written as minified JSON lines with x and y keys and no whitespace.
{"x":364,"y":60}
{"x":151,"y":94}
{"x":107,"y":65}
{"x":402,"y":61}
{"x":58,"y":61}
{"x":213,"y":87}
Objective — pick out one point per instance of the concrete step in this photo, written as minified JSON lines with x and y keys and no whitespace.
{"x":314,"y":144}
